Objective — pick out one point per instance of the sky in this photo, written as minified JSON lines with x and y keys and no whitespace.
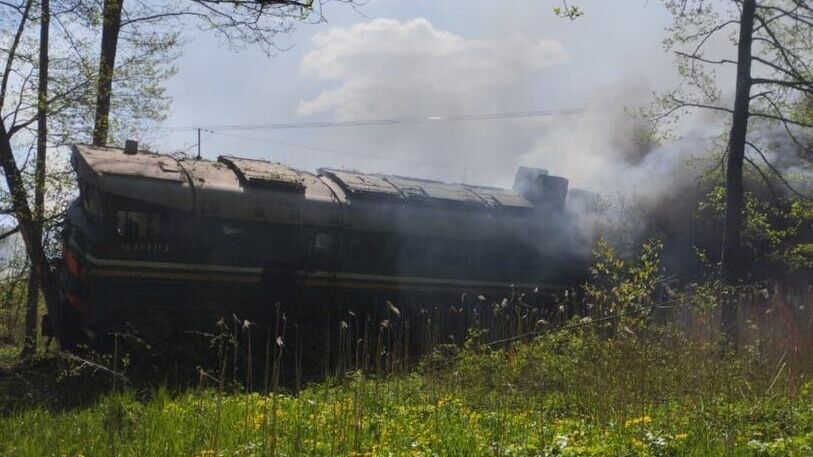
{"x":426,"y":58}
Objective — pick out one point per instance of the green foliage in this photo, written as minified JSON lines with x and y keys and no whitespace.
{"x":775,"y":235}
{"x":617,"y":284}
{"x":13,"y":291}
{"x":568,"y":11}
{"x":657,"y":393}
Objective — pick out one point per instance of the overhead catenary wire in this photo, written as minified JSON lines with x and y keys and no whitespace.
{"x":351,"y":153}
{"x":380,"y":122}
{"x":384,"y":121}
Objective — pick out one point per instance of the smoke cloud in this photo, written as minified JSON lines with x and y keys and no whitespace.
{"x":389,"y":68}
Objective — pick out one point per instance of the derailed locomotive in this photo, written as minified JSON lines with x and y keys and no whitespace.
{"x":159,"y":245}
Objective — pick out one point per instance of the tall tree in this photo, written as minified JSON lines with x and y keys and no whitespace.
{"x":238,"y":22}
{"x":111,"y":26}
{"x":32,"y":301}
{"x":32,"y":99}
{"x":732,"y":237}
{"x":771,"y":60}
{"x":27,"y":222}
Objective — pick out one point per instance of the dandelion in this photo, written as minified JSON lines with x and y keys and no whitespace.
{"x":561,"y":441}
{"x":638,"y":420}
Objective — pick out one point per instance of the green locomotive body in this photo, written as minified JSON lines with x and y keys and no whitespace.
{"x":160,"y":245}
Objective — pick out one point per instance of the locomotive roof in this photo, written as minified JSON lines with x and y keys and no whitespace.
{"x":382,"y":187}
{"x":235,"y":173}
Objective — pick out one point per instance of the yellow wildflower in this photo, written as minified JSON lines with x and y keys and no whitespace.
{"x":638,"y":420}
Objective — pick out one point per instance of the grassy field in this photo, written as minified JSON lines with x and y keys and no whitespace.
{"x":638,"y":370}
{"x":640,"y":391}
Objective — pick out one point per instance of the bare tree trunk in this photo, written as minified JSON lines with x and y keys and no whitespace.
{"x":26,"y":223}
{"x":32,"y":302}
{"x":732,"y":261}
{"x":25,"y":219}
{"x":107,"y":60}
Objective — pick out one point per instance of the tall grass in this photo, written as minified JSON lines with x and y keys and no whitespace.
{"x":629,"y":368}
{"x":620,"y":387}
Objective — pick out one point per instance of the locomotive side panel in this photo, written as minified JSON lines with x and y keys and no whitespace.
{"x":172,"y":246}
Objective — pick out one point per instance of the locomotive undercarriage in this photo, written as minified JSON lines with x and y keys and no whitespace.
{"x":185,"y":321}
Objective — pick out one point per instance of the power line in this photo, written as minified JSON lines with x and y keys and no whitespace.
{"x":386,"y":121}
{"x":354,"y":154}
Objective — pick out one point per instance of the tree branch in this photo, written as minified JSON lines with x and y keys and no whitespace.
{"x":701,"y":59}
{"x":684,"y":104}
{"x":12,"y":51}
{"x":764,"y":177}
{"x":792,"y":72}
{"x":18,"y":8}
{"x":781,"y":119}
{"x":792,"y":14}
{"x":784,"y":124}
{"x":801,"y":86}
{"x":776,"y":43}
{"x":8,"y":233}
{"x":161,"y":16}
{"x":777,"y":172}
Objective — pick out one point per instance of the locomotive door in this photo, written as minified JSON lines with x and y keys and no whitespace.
{"x":322,"y":258}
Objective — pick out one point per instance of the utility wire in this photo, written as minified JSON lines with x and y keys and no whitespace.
{"x":219,"y":129}
{"x":385,"y":121}
{"x":354,"y":154}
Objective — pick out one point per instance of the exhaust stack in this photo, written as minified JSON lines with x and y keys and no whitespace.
{"x":540,"y":188}
{"x":131,"y":147}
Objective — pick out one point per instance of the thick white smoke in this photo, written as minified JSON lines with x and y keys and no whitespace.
{"x":612,"y":150}
{"x":388,"y":68}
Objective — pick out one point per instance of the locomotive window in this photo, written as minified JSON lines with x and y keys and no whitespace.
{"x":367,"y":246}
{"x":91,"y":201}
{"x":322,"y":242}
{"x":137,"y":226}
